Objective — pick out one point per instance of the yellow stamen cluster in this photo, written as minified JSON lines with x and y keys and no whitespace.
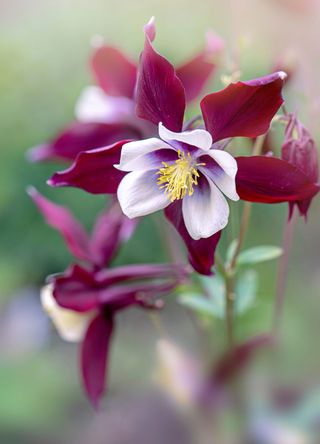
{"x":179,"y":178}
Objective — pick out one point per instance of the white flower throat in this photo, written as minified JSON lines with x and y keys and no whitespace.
{"x":178,"y":179}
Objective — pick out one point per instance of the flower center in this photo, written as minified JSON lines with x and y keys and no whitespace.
{"x":178,"y":179}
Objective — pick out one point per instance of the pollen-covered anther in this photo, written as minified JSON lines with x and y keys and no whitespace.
{"x":178,"y":179}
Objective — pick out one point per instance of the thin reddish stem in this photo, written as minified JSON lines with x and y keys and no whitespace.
{"x":283,"y":273}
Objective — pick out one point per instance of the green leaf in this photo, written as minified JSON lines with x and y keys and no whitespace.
{"x":215,"y":288}
{"x":259,"y":254}
{"x":196,"y":302}
{"x":231,"y":250}
{"x":212,"y":305}
{"x":246,"y":291}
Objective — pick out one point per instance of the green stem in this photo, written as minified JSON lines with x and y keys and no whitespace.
{"x":230,"y":269}
{"x":245,"y":219}
{"x":229,"y":281}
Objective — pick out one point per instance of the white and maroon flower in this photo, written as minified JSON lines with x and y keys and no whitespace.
{"x":179,"y":166}
{"x":169,"y":172}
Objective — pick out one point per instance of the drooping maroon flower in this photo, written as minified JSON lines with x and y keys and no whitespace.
{"x":111,"y":229}
{"x":185,"y":172}
{"x":105,"y":113}
{"x":83,"y":305}
{"x":83,"y":301}
{"x":300,"y":150}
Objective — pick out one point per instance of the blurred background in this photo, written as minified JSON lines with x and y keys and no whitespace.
{"x":44,"y":50}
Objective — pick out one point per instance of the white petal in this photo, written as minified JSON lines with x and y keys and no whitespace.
{"x":70,"y":324}
{"x":205,"y":212}
{"x":94,"y":105}
{"x":223,"y":177}
{"x":198,"y":138}
{"x":139,"y":194}
{"x":227,"y":162}
{"x":132,"y":153}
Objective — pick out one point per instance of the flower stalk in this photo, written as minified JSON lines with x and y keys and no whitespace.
{"x":230,"y":268}
{"x":230,"y":310}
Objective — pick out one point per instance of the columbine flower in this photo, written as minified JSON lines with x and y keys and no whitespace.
{"x":181,"y":166}
{"x":105,"y":112}
{"x":83,"y":303}
{"x":242,"y":109}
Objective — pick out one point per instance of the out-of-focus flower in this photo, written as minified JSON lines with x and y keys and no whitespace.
{"x":179,"y":374}
{"x":83,"y":303}
{"x":105,"y":113}
{"x":110,"y":230}
{"x":190,"y":385}
{"x":300,"y":150}
{"x":70,"y":324}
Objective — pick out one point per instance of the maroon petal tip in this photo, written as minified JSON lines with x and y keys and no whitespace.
{"x":150,"y":29}
{"x":93,"y":171}
{"x":160,"y":95}
{"x":62,"y":220}
{"x":94,"y":355}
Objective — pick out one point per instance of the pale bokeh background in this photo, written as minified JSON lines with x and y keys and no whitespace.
{"x":44,"y":47}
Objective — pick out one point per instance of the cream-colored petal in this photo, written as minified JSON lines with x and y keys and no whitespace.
{"x":70,"y":324}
